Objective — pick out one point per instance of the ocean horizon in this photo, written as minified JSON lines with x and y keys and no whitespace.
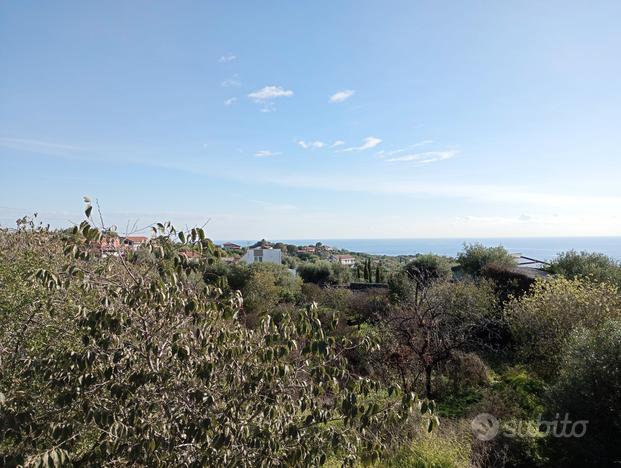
{"x":541,"y":248}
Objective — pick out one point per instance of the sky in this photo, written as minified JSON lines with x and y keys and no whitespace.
{"x":323,"y":119}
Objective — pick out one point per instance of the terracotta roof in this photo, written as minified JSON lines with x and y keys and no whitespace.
{"x":136,"y":238}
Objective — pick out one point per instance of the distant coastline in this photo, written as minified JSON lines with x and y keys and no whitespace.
{"x":542,"y":248}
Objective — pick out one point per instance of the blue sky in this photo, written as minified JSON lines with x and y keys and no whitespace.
{"x":324,"y":119}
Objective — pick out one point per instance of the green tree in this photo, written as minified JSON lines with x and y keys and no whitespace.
{"x":437,"y":321}
{"x":428,"y":268}
{"x":129,"y":361}
{"x":588,"y":389}
{"x":476,"y":256}
{"x":319,"y":272}
{"x":324,"y":273}
{"x":593,"y":266}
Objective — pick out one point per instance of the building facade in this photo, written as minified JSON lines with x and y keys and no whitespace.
{"x":262,"y":256}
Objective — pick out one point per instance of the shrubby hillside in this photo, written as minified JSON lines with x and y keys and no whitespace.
{"x":168,"y":356}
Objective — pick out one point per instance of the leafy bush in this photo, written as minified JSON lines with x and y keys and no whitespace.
{"x":428,"y":268}
{"x":542,"y":321}
{"x":594,"y":266}
{"x":318,"y":273}
{"x":589,"y":389}
{"x":445,"y":448}
{"x":268,"y":285}
{"x":508,"y":282}
{"x":117,"y":360}
{"x":324,"y":272}
{"x":476,"y":256}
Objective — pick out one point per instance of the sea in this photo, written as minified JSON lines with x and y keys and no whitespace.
{"x":540,"y":248}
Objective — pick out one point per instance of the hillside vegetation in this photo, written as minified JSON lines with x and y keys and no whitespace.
{"x":167,"y":356}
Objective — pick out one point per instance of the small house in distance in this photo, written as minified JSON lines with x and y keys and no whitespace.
{"x":260,"y":255}
{"x":133,"y":242}
{"x":347,"y":260}
{"x":231,"y":246}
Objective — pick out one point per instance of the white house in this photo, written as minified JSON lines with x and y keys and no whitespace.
{"x":263,"y":256}
{"x":347,"y":260}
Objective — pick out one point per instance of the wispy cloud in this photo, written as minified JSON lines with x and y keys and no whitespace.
{"x":407,"y":148}
{"x":311,"y":144}
{"x":269,"y":92}
{"x":517,"y":195}
{"x":385,"y":153}
{"x":367,"y":143}
{"x":426,"y":157}
{"x":337,"y":143}
{"x":230,"y":101}
{"x":265,"y":154}
{"x":37,"y":146}
{"x":227,"y":58}
{"x":265,"y":95}
{"x":232,"y":82}
{"x":341,"y":96}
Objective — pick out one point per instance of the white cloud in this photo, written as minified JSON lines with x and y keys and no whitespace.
{"x":265,"y":95}
{"x":407,"y":148}
{"x":337,"y":143}
{"x":311,"y":144}
{"x":227,"y":58}
{"x":341,"y":96}
{"x":230,"y":101}
{"x":269,"y":92}
{"x":367,"y":143}
{"x":426,"y":157}
{"x":231,"y":82}
{"x":265,"y":154}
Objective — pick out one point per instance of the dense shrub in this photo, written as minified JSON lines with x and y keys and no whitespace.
{"x":428,"y":268}
{"x":324,"y":272}
{"x":268,"y":285}
{"x":589,"y":389}
{"x":475,"y":257}
{"x":125,"y":362}
{"x":587,"y":265}
{"x":448,"y":447}
{"x":319,"y":273}
{"x":542,"y":321}
{"x":508,"y":281}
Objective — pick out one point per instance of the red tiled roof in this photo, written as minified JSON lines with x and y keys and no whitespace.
{"x":136,"y":238}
